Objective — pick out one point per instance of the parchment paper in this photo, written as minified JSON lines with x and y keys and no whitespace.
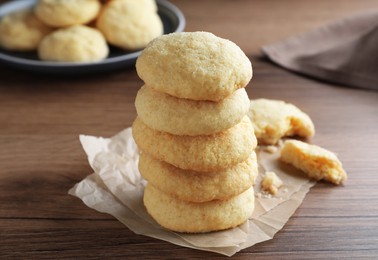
{"x":116,"y":187}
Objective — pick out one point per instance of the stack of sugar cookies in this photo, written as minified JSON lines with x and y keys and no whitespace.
{"x":80,"y":30}
{"x":197,"y":144}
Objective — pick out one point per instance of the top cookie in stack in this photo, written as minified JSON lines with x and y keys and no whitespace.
{"x":197,"y":142}
{"x":195,"y":65}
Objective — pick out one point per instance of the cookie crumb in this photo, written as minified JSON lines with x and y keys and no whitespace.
{"x":271,"y":183}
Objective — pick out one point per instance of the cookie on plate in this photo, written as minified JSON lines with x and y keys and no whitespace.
{"x":197,"y":186}
{"x":177,"y":116}
{"x":62,"y":13}
{"x":318,"y":163}
{"x":183,"y":216}
{"x":274,"y":119}
{"x":130,"y":24}
{"x":146,"y":4}
{"x":203,"y":153}
{"x":77,"y":43}
{"x":194,"y":65}
{"x":22,"y":31}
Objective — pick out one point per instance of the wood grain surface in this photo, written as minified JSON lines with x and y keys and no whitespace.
{"x":41,"y":117}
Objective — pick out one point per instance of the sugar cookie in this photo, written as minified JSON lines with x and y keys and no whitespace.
{"x":194,"y":65}
{"x":62,"y":13}
{"x":177,"y":116}
{"x":196,"y":186}
{"x":149,"y":5}
{"x":22,"y":31}
{"x":129,"y":24}
{"x":182,"y":216}
{"x":74,"y":44}
{"x":204,"y":153}
{"x":274,"y":119}
{"x":318,"y":163}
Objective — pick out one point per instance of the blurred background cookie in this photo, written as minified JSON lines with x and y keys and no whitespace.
{"x":194,"y":65}
{"x":22,"y":31}
{"x":130,"y":24}
{"x":183,"y":216}
{"x":62,"y":13}
{"x":147,"y":4}
{"x":74,"y":44}
{"x":177,"y":116}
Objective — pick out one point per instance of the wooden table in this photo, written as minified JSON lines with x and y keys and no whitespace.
{"x":41,"y":158}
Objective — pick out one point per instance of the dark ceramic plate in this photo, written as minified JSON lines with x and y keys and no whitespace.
{"x":172,"y":17}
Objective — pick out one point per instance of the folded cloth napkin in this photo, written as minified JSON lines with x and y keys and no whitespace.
{"x":343,"y":52}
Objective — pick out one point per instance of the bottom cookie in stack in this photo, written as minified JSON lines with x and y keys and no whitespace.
{"x":190,"y":217}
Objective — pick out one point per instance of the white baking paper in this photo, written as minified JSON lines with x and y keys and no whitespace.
{"x":116,"y":187}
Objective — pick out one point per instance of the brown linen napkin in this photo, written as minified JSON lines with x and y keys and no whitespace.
{"x":344,"y":52}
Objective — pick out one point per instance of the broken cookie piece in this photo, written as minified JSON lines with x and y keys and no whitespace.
{"x":274,"y":119}
{"x":318,"y":163}
{"x":271,"y":183}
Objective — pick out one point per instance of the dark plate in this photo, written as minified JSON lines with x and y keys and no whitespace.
{"x":172,"y":17}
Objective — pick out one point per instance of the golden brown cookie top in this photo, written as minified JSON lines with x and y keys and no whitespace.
{"x":194,"y":65}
